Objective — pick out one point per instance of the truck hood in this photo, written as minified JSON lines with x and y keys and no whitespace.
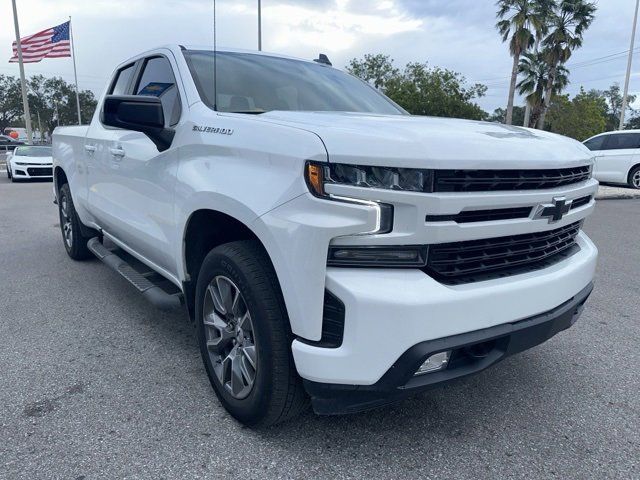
{"x":434,"y":142}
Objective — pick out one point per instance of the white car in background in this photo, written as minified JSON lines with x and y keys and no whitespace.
{"x":617,"y":157}
{"x":30,"y":161}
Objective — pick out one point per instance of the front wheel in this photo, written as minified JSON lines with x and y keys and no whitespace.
{"x":634,"y":178}
{"x":74,"y":242}
{"x":244,"y":336}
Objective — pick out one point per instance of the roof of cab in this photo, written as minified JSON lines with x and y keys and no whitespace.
{"x":176,"y":49}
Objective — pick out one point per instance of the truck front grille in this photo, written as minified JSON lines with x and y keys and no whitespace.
{"x":472,"y":216}
{"x":476,"y":260}
{"x":495,"y":180}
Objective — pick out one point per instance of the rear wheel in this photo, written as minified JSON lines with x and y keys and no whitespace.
{"x":75,"y":243}
{"x":634,"y":178}
{"x":244,"y":336}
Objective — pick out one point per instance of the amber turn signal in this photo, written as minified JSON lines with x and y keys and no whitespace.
{"x":315,"y":180}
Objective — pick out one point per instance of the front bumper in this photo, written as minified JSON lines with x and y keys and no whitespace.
{"x":27,"y":172}
{"x":388,"y":311}
{"x":497,"y":342}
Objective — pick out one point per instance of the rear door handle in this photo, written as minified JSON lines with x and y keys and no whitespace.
{"x":90,"y":148}
{"x":117,"y":152}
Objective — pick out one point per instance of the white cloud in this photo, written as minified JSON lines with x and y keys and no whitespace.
{"x":337,"y":29}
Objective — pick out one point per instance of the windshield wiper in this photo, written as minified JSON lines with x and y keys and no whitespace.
{"x":256,"y":111}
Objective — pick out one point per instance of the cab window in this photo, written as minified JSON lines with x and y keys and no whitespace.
{"x":157,"y":80}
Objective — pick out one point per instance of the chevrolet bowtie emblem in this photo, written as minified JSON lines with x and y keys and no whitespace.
{"x":553,"y":211}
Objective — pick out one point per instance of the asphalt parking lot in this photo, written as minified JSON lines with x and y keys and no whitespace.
{"x":95,"y":383}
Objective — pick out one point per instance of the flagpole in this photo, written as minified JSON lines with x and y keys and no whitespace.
{"x":23,"y":83}
{"x":75,"y":71}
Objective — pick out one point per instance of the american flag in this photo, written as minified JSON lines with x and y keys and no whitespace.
{"x":51,"y":43}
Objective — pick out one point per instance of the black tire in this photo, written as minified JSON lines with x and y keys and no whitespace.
{"x":9,"y":173}
{"x":74,"y":242}
{"x":634,"y":178}
{"x":277,"y":393}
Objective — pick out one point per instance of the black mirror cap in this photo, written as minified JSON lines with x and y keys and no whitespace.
{"x":138,"y":113}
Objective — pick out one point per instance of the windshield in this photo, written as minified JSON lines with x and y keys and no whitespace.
{"x":33,"y":151}
{"x":249,"y":83}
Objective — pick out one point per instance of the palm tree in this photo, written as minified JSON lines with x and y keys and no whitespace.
{"x":520,"y":23}
{"x":535,"y":71}
{"x":567,"y":25}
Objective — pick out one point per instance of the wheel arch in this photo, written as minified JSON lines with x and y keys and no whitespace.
{"x":206,"y":229}
{"x":633,"y":167}
{"x":59,"y":178}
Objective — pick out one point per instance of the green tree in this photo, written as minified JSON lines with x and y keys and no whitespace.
{"x":422,"y":90}
{"x":535,"y":74}
{"x":613,"y":97}
{"x":633,"y":123}
{"x":579,"y":118}
{"x":500,"y":115}
{"x":520,"y":23}
{"x":55,"y":101}
{"x":376,"y":69}
{"x":566,"y":27}
{"x":10,"y":102}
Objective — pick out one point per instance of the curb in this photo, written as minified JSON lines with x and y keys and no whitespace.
{"x":614,"y":192}
{"x":618,"y":197}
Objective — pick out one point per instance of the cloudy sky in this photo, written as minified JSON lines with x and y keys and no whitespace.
{"x":456,"y":34}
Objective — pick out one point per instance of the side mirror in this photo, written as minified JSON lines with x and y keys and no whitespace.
{"x":138,"y":113}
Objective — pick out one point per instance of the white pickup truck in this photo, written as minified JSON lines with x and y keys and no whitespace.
{"x":326,"y":244}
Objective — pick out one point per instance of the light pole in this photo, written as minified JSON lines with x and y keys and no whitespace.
{"x":625,"y":97}
{"x":259,"y":25}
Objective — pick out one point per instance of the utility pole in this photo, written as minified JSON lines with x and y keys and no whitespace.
{"x":23,"y":82}
{"x":625,"y":97}
{"x":260,"y":25}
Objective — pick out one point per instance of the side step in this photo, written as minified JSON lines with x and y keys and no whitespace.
{"x":153,"y":293}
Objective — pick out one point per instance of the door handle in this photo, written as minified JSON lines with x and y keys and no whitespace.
{"x":117,"y":152}
{"x":90,"y":148}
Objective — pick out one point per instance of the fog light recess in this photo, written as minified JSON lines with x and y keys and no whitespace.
{"x":434,"y":363}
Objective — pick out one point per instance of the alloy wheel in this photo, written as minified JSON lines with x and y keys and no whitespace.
{"x":229,"y":336}
{"x":67,"y":226}
{"x":635,"y":180}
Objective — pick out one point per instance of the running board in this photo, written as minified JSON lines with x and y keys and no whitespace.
{"x":153,"y":293}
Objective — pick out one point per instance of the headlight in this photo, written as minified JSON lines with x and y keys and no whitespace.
{"x":317,"y":175}
{"x":389,"y":178}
